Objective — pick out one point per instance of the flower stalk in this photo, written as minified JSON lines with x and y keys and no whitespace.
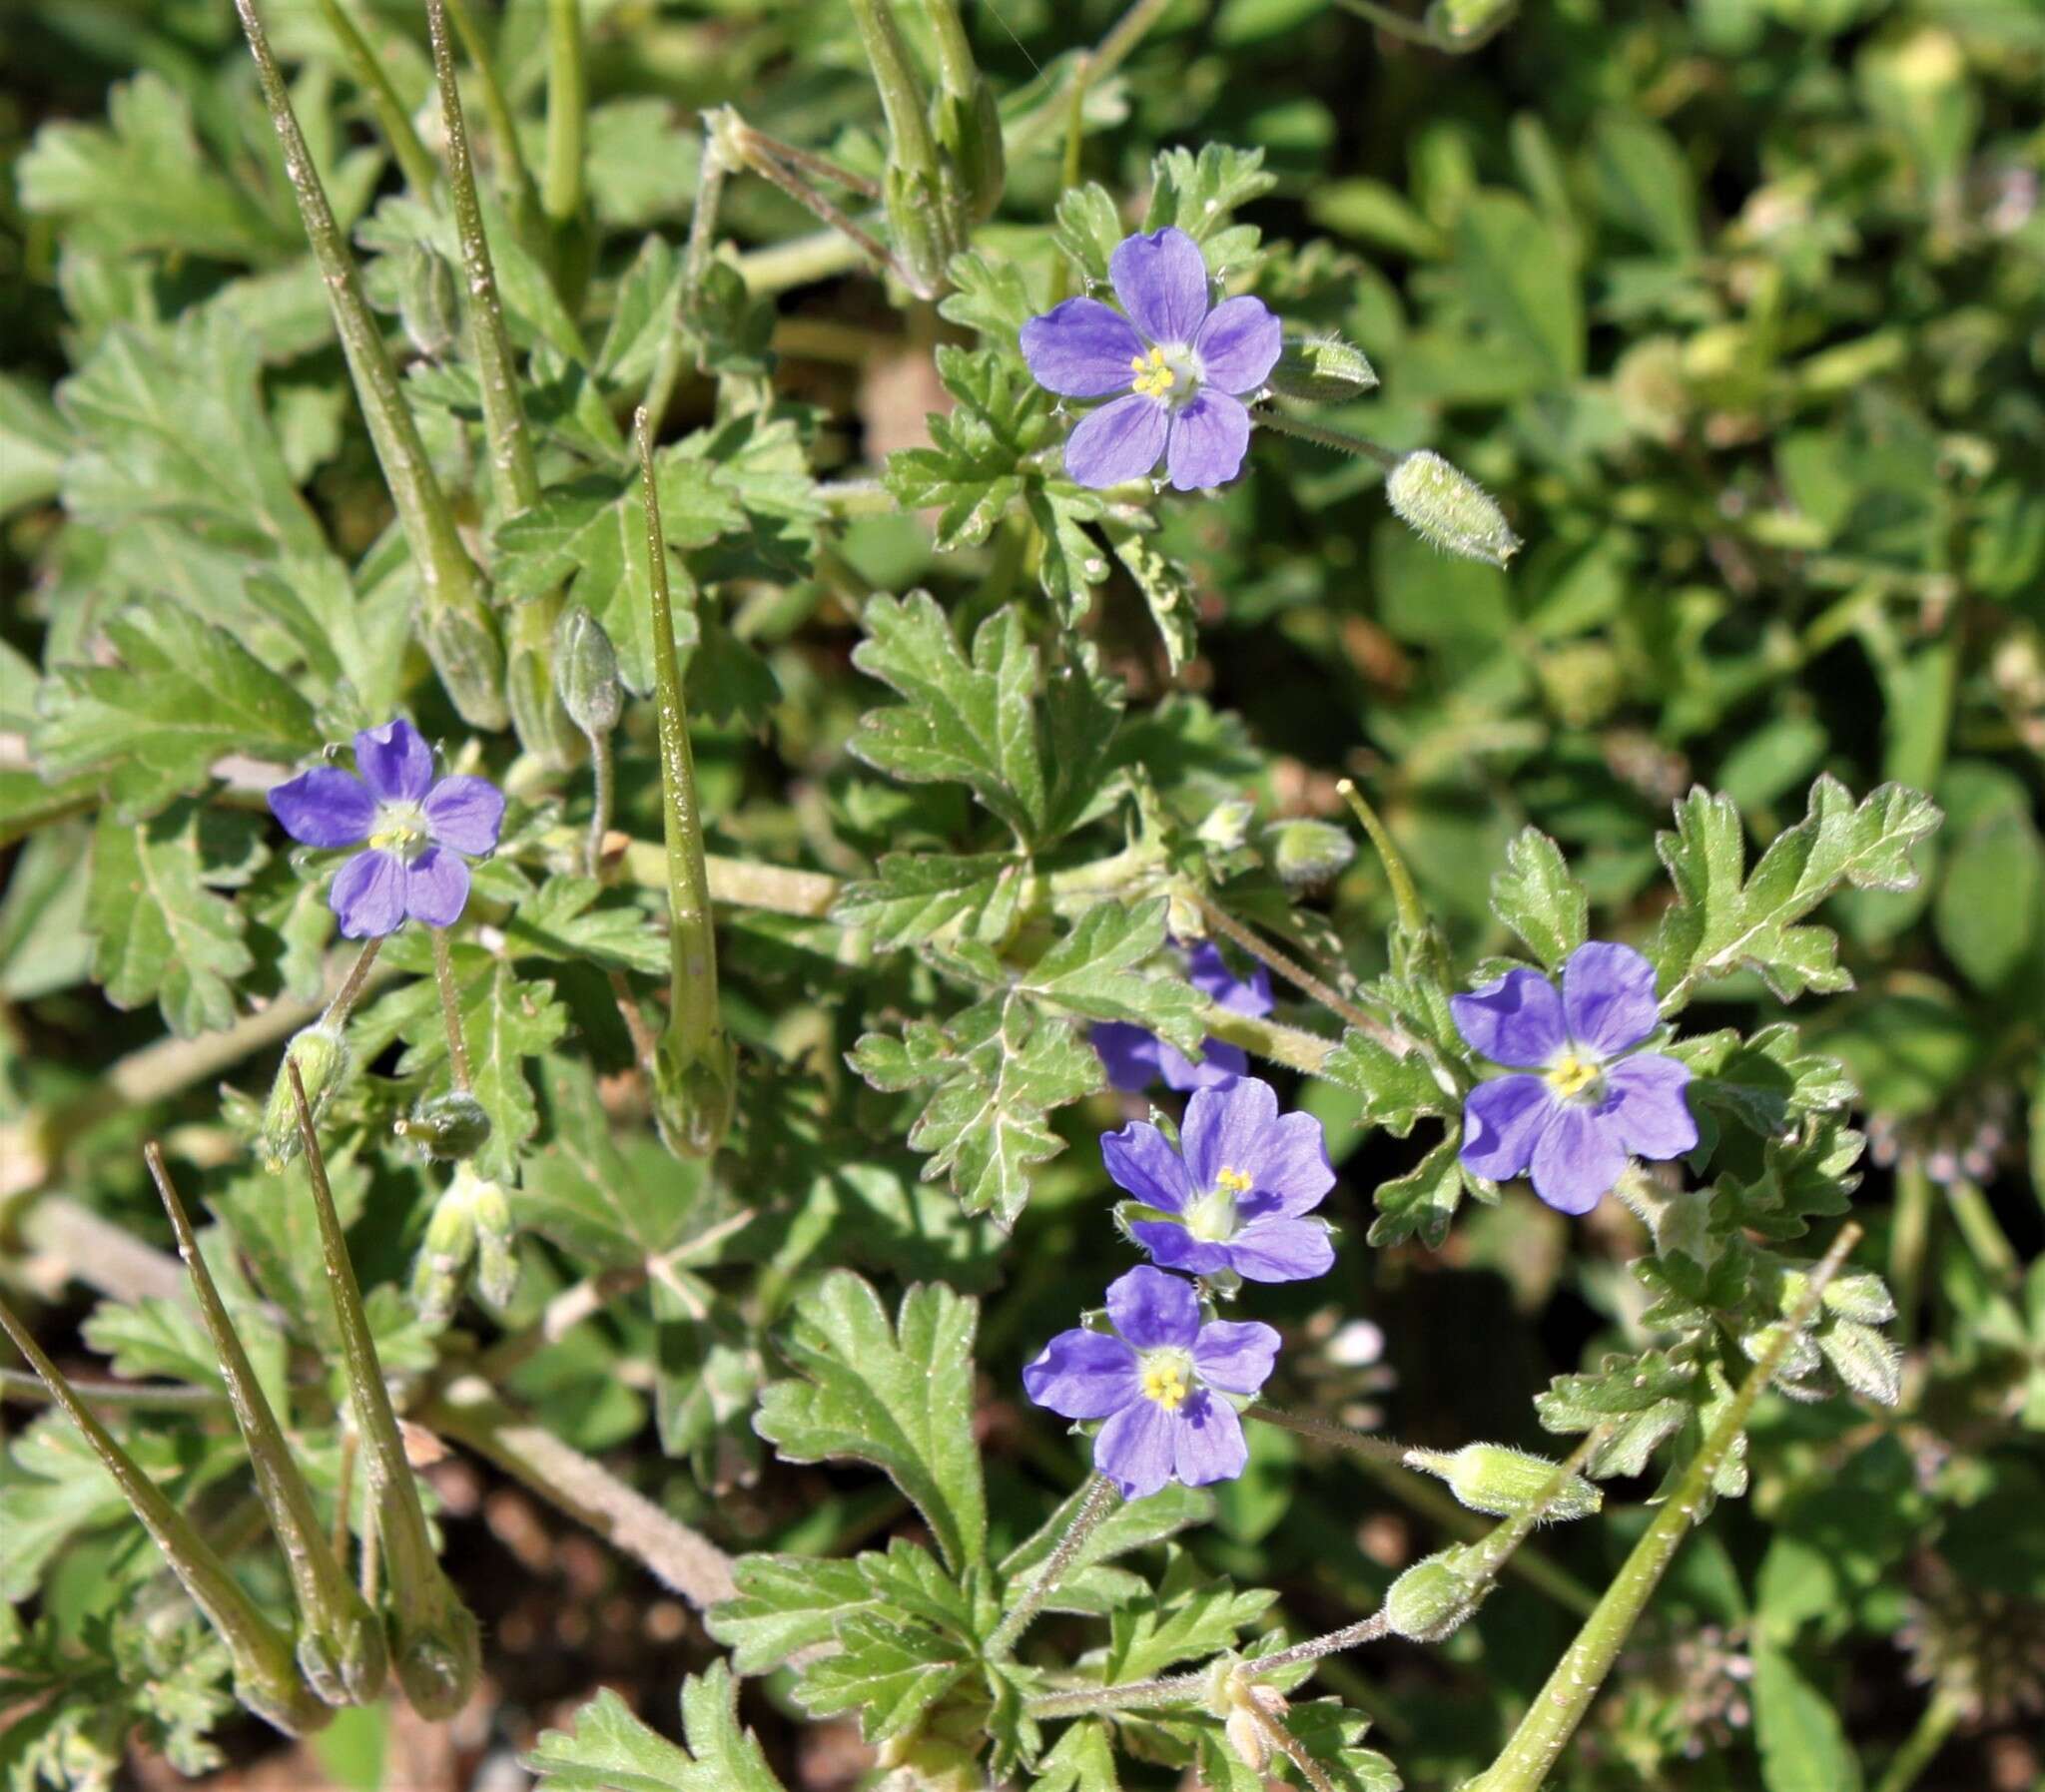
{"x":1552,"y":1719}
{"x":340,"y":1648}
{"x":266,"y":1678}
{"x":450,"y":1009}
{"x":514,"y":180}
{"x":456,"y":625}
{"x":391,"y":117}
{"x":695,"y":1072}
{"x":564,"y":196}
{"x":438,"y":1650}
{"x":1097,"y":1501}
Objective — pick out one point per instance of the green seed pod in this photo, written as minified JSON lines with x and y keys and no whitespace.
{"x":323,"y":1058}
{"x":586,"y":672}
{"x":462,"y":642}
{"x":347,"y":1665}
{"x":1306,"y":854}
{"x":926,"y":227}
{"x":428,"y":301}
{"x":496,"y":1240}
{"x":544,"y":727}
{"x":1487,"y":1478}
{"x":1432,"y":1598}
{"x":448,"y":1127}
{"x":1321,"y":371}
{"x":1449,"y":509}
{"x":693,"y":1098}
{"x":438,"y":1654}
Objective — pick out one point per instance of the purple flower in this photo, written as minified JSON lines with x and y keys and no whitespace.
{"x":415,"y":827}
{"x":1135,"y":1058}
{"x":1181,"y":367}
{"x":1235,"y":1194}
{"x":1154,"y":1378}
{"x":1591,"y":1107}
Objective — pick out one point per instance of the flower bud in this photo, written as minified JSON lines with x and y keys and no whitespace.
{"x":1227,"y":824}
{"x":1446,"y":507}
{"x":448,"y":1127}
{"x":586,"y":672}
{"x":1864,"y":1359}
{"x":462,"y":642}
{"x":1321,"y":371}
{"x":427,"y":301}
{"x":1431,"y":1599}
{"x":322,"y":1058}
{"x":1489,"y":1477}
{"x":1863,"y":1298}
{"x":925,"y":227}
{"x":497,"y":1241}
{"x":693,"y":1095}
{"x":446,"y":1251}
{"x":1306,"y":854}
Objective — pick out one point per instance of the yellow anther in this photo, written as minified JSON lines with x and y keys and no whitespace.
{"x":1153,"y":378}
{"x":1237,"y":1182}
{"x":1572,"y":1075}
{"x":1164,"y":1381}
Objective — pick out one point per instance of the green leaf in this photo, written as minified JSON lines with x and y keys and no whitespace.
{"x":995,"y":1071}
{"x":1090,"y":973}
{"x":33,"y":444}
{"x":785,"y":1605}
{"x":920,"y":895}
{"x":1988,"y":909}
{"x":1089,"y":228}
{"x":610,"y":1751}
{"x":971,"y":472}
{"x":1725,"y":921}
{"x":888,"y":1671}
{"x":900,"y":1398}
{"x":990,"y":297}
{"x":1520,"y":282}
{"x":157,"y":932}
{"x":1650,"y":1396}
{"x":1198,"y":193}
{"x":1087,"y":1583}
{"x":1537,"y":898}
{"x":1167,"y":589}
{"x":560,"y":920}
{"x":1643,"y":183}
{"x":1423,"y":1201}
{"x":1189,"y":1619}
{"x":1396,"y":1090}
{"x":1082,"y":1760}
{"x":1333,"y":1735}
{"x":1031,"y":754}
{"x":1804,"y":1746}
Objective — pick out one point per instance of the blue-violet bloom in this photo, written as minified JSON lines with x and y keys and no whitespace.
{"x":1591,"y":1107}
{"x":1234,"y":1196}
{"x":1155,"y":1379}
{"x":1182,"y":369}
{"x":414,"y":829}
{"x":1137,"y":1058}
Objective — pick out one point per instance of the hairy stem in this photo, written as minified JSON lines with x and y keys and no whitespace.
{"x":1099,"y":1501}
{"x":352,"y":985}
{"x":514,"y":179}
{"x":1284,"y":423}
{"x":451,"y":1008}
{"x":1552,"y":1719}
{"x":1296,"y":973}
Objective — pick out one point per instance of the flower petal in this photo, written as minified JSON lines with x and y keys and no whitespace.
{"x":1119,"y":441}
{"x":1236,"y":1355}
{"x":1282,"y":1249}
{"x":1209,"y":436}
{"x":1649,"y":1108}
{"x":1516,"y":1020}
{"x":1128,"y":1053}
{"x":1206,"y":1442}
{"x":1142,"y":1161}
{"x":1133,"y":1449}
{"x":1225,"y":1129}
{"x":1502,"y":1123}
{"x":1084,"y":1375}
{"x":1174,"y":1246}
{"x":1153,"y":1311}
{"x":467,"y":814}
{"x":1210,"y":973}
{"x":325,"y":806}
{"x":395,"y":760}
{"x":1162,"y":280}
{"x":1219,"y":1062}
{"x":1238,"y":345}
{"x":1577,"y":1159}
{"x":435,"y":888}
{"x":368,"y":894}
{"x":1608,"y":995}
{"x":1082,"y":348}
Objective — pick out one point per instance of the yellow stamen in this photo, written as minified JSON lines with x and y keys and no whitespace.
{"x":1165,"y":1382}
{"x":1237,"y":1182}
{"x":1572,"y":1075}
{"x":1153,"y":378}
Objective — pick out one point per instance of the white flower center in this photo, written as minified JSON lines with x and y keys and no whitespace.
{"x":1170,"y":374}
{"x":1211,"y":1218}
{"x":1574,"y":1074}
{"x":1168,"y":1377}
{"x":401,"y":828}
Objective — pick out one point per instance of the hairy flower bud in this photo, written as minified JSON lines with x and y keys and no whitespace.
{"x":446,"y":1251}
{"x":448,"y":1127}
{"x":1446,"y":507}
{"x":1321,"y":371}
{"x":1864,"y":1298}
{"x":322,"y":1057}
{"x":1864,"y":1359}
{"x":1227,"y":824}
{"x":462,"y":642}
{"x":428,"y":300}
{"x":1489,"y":1477}
{"x":1432,"y":1598}
{"x":586,"y":672}
{"x":496,"y":1242}
{"x":1306,"y":854}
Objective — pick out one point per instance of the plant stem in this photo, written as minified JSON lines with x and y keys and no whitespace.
{"x":1099,"y":1501}
{"x":1909,"y":1236}
{"x":901,"y":96}
{"x":456,"y":625}
{"x":1350,"y":1636}
{"x":438,"y":1650}
{"x":1295,"y":973}
{"x":1553,"y":1717}
{"x":1292,"y":1046}
{"x":451,"y":1008}
{"x":266,"y":1679}
{"x":1922,"y":1746}
{"x":1392,"y":23}
{"x":128,"y":1396}
{"x":352,"y":985}
{"x":391,"y":117}
{"x":1983,"y":1233}
{"x":341,"y":1644}
{"x":1406,"y":900}
{"x":1327,"y":1430}
{"x":514,"y":179}
{"x":1284,"y":423}
{"x":567,"y":114}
